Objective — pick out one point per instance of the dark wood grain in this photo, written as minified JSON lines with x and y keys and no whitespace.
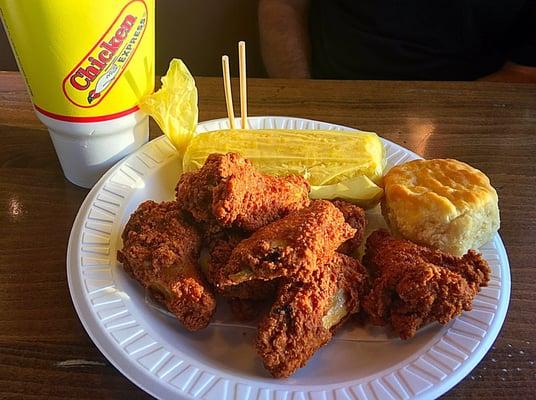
{"x":489,"y":125}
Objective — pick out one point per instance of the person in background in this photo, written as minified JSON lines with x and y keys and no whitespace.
{"x":492,"y":40}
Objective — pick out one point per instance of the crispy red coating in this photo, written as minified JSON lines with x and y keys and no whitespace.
{"x":294,"y":329}
{"x":247,"y":310}
{"x":160,"y":251}
{"x":219,"y":249}
{"x":227,"y":191}
{"x":292,"y":246}
{"x":355,"y":217}
{"x":414,"y":285}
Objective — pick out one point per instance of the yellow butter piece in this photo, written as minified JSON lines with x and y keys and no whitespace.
{"x":323,"y":157}
{"x":359,"y":190}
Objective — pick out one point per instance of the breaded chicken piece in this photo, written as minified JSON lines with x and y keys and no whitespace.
{"x":384,"y":250}
{"x":247,"y":310}
{"x":218,"y":252}
{"x":414,"y":285}
{"x":305,"y":315}
{"x":293,"y":246}
{"x":228,"y":192}
{"x":355,"y":217}
{"x":246,"y":300}
{"x":160,"y":251}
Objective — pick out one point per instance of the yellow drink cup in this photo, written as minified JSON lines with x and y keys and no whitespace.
{"x":86,"y":66}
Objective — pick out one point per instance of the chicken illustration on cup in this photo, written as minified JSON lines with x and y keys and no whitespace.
{"x":103,"y":82}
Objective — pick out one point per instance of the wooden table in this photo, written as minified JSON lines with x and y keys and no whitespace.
{"x":44,"y":350}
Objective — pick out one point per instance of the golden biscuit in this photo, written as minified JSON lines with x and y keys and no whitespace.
{"x":442,"y":203}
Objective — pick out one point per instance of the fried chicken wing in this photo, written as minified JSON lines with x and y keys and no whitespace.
{"x":385,"y":251}
{"x":247,"y":299}
{"x":355,"y":217}
{"x":414,"y":285}
{"x":228,"y":192}
{"x":218,"y":252}
{"x":160,"y":251}
{"x":247,"y":310}
{"x":292,"y":246}
{"x":305,"y":315}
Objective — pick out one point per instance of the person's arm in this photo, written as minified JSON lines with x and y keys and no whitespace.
{"x":285,"y":43}
{"x":514,"y":73}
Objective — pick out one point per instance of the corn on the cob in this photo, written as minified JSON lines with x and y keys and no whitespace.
{"x":322,"y":157}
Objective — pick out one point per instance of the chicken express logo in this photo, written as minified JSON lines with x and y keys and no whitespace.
{"x":93,"y":77}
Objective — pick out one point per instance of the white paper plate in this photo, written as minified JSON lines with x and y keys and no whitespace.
{"x":219,"y":363}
